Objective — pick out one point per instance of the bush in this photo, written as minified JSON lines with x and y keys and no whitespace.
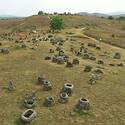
{"x":40,"y":13}
{"x":56,"y":23}
{"x":111,"y":17}
{"x":20,"y":46}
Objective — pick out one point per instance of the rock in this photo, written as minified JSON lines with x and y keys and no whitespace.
{"x":92,"y":81}
{"x":60,"y":44}
{"x":54,"y":59}
{"x":61,"y":53}
{"x":111,"y":64}
{"x":28,"y":115}
{"x":85,"y":50}
{"x":51,"y":51}
{"x":45,"y":39}
{"x":98,"y":48}
{"x":63,"y":97}
{"x":66,"y":58}
{"x":75,"y":61}
{"x":117,"y":55}
{"x":92,"y":58}
{"x":94,"y":78}
{"x":47,"y":85}
{"x":69,"y":64}
{"x":60,"y":60}
{"x":68,"y":88}
{"x":30,"y":101}
{"x":92,"y":45}
{"x":100,"y":62}
{"x":58,"y":49}
{"x":120,"y":64}
{"x":78,"y":53}
{"x":83,"y":104}
{"x":88,"y":68}
{"x":40,"y":80}
{"x":47,"y":58}
{"x":4,"y":50}
{"x":49,"y":101}
{"x":81,"y":48}
{"x":85,"y":56}
{"x":50,"y":36}
{"x":11,"y":86}
{"x":72,"y":49}
{"x":98,"y":71}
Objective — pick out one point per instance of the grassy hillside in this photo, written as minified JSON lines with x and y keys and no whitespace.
{"x":110,"y":31}
{"x":23,"y":66}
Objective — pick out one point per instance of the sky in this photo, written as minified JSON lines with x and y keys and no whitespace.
{"x":31,"y":7}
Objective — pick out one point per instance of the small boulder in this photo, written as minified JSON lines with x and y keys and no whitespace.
{"x":88,"y":68}
{"x":117,"y":55}
{"x":75,"y":61}
{"x":49,"y":101}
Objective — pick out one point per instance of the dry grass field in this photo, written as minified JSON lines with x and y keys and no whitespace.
{"x":23,"y":66}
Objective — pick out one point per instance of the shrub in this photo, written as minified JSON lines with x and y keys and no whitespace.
{"x":111,"y":17}
{"x":56,"y":23}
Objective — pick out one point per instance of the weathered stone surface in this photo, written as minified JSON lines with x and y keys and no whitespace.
{"x":60,"y":60}
{"x":98,"y":48}
{"x":83,"y":104}
{"x":117,"y":55}
{"x":81,"y":48}
{"x":92,"y":45}
{"x":92,"y":58}
{"x":88,"y":68}
{"x":30,"y":100}
{"x":61,"y":53}
{"x":78,"y":53}
{"x":98,"y":71}
{"x":11,"y":86}
{"x":49,"y":101}
{"x":68,"y":88}
{"x":63,"y":98}
{"x":120,"y":64}
{"x":94,"y":78}
{"x":4,"y":50}
{"x":75,"y":61}
{"x":40,"y":80}
{"x":47,"y":85}
{"x":51,"y":51}
{"x":85,"y":56}
{"x":48,"y":58}
{"x":100,"y":62}
{"x":28,"y":115}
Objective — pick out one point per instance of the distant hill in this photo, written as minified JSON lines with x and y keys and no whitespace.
{"x":9,"y":17}
{"x":114,"y":14}
{"x":93,"y":14}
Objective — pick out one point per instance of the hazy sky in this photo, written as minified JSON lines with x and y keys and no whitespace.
{"x":30,"y":7}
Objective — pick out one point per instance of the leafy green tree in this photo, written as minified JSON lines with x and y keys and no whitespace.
{"x":56,"y":23}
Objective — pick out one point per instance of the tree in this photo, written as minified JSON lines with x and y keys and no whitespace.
{"x":40,"y":13}
{"x":111,"y":17}
{"x":56,"y":23}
